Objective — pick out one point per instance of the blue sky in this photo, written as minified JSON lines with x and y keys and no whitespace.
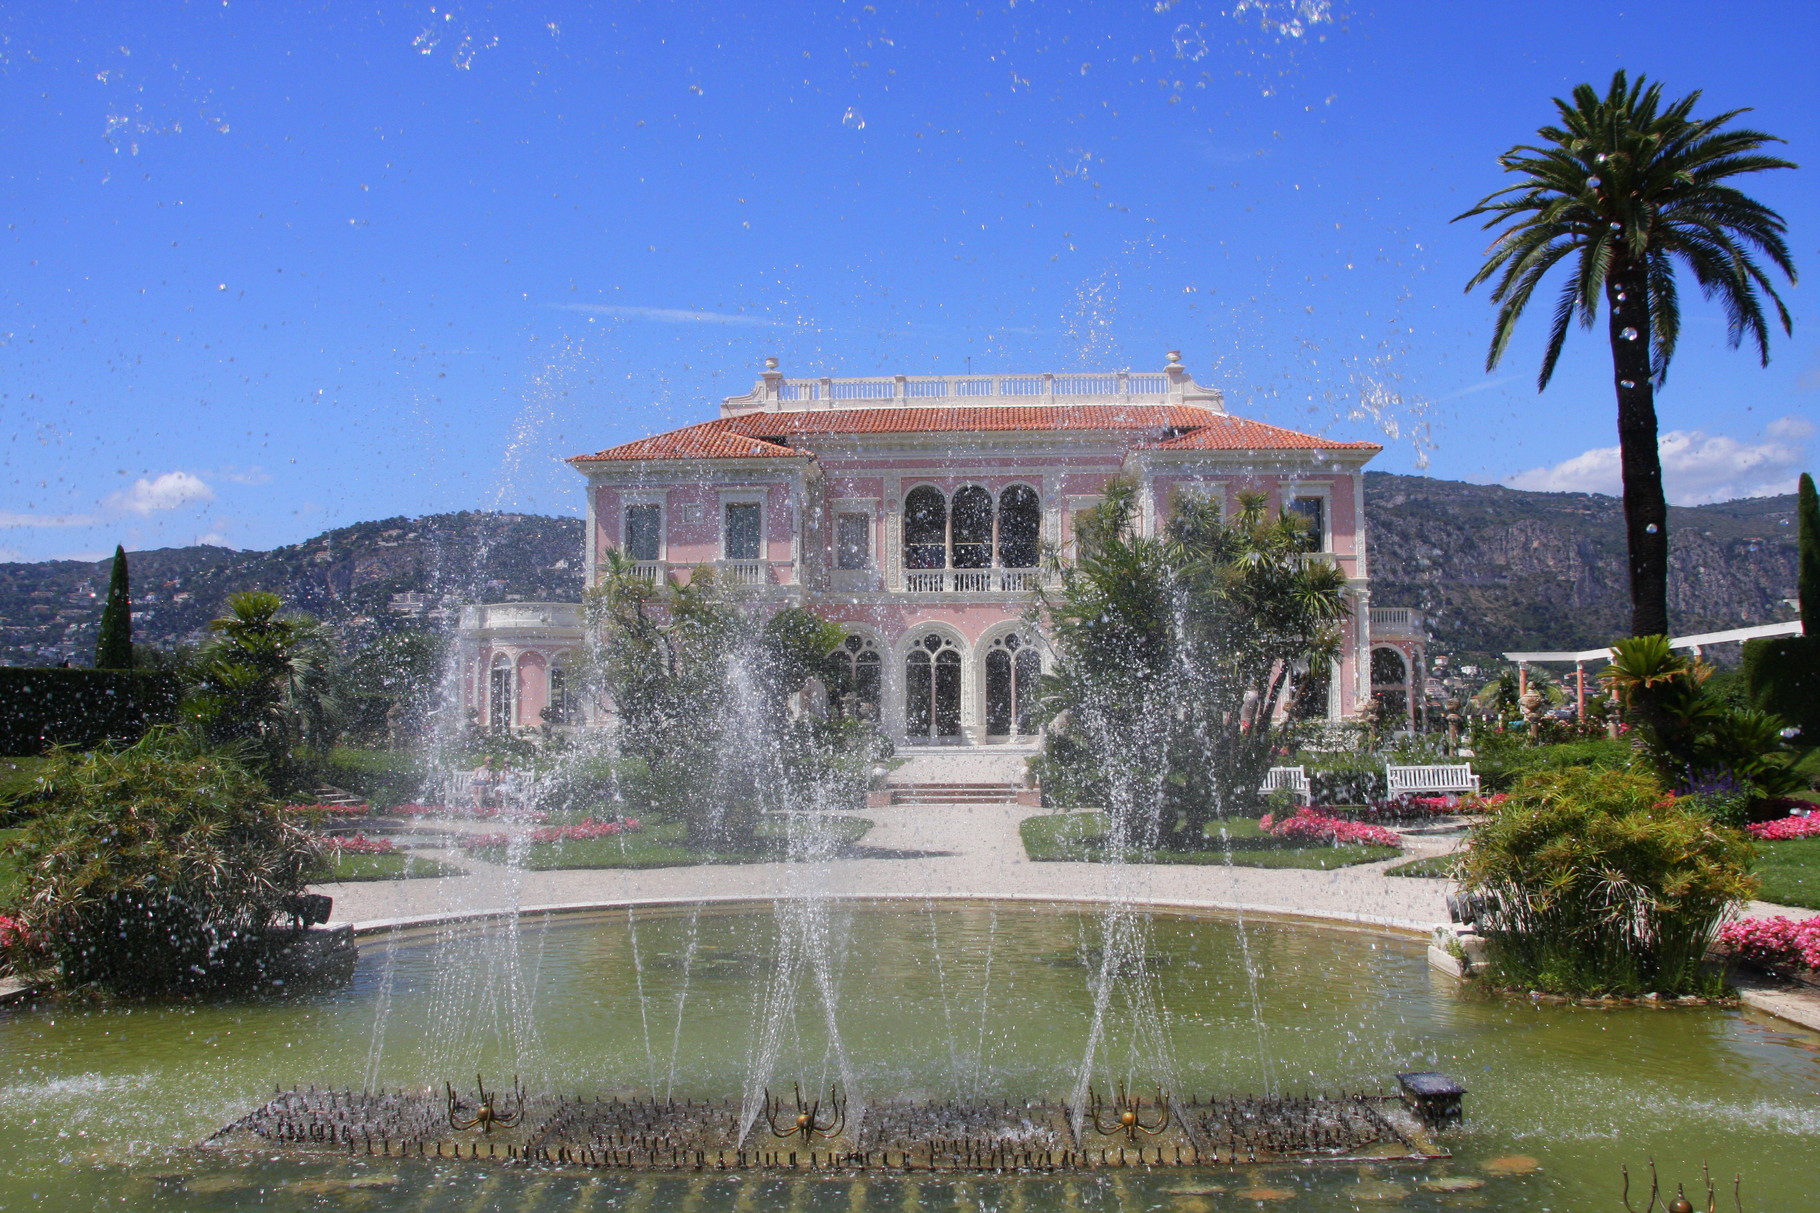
{"x":271,"y":268}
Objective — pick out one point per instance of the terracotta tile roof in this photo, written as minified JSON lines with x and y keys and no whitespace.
{"x":1225,"y":433}
{"x":1175,"y":427}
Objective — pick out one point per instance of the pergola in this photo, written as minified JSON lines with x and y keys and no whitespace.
{"x":1696,"y":643}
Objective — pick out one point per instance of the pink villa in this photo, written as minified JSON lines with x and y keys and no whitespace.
{"x":916,"y":512}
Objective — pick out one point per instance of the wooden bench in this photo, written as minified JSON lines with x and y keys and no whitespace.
{"x":1430,"y":780}
{"x":1290,"y":779}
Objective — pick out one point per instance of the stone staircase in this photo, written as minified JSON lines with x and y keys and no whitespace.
{"x":956,"y":777}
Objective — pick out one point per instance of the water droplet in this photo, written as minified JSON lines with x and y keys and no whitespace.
{"x":1652,"y":528}
{"x":1616,"y":226}
{"x":1621,"y":296}
{"x":853,"y":118}
{"x":1189,"y":44}
{"x":1594,"y":182}
{"x":1599,"y":159}
{"x":1628,"y":333}
{"x":1627,"y":383}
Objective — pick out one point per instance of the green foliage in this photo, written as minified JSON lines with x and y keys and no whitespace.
{"x":353,"y":869}
{"x":1693,"y":739}
{"x":114,"y":644}
{"x":40,"y":708}
{"x":1173,"y":656}
{"x":1344,"y":776}
{"x":264,"y":682}
{"x":381,"y":777}
{"x":156,"y":866}
{"x":1501,"y":759}
{"x":1597,"y":882}
{"x":702,"y":681}
{"x":1783,"y":674}
{"x":666,"y":844}
{"x":389,"y":686}
{"x":1807,"y":576}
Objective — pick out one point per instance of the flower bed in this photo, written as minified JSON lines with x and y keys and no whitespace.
{"x":1411,"y":808}
{"x":466,"y":812}
{"x":360,"y":844}
{"x":579,"y":832}
{"x":1787,"y":828}
{"x":1775,"y":943}
{"x":1309,"y":825}
{"x":329,"y":810}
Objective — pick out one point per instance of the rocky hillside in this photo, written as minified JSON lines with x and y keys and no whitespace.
{"x":1495,"y":568}
{"x":49,"y":610}
{"x":1498,"y":569}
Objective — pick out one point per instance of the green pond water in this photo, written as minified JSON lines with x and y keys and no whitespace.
{"x":99,"y":1107}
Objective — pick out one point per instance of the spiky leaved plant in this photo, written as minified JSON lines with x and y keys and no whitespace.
{"x":1623,"y":190}
{"x":145,"y":866}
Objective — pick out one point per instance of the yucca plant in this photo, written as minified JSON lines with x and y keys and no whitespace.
{"x":1623,"y":190}
{"x":1599,"y":882}
{"x":146,"y":867}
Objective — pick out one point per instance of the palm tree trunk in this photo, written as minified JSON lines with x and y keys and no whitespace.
{"x":1645,"y":507}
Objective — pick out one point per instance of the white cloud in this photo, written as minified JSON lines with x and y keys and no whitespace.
{"x":166,"y":491}
{"x":1697,"y":467}
{"x":671,"y":315}
{"x":22,"y":520}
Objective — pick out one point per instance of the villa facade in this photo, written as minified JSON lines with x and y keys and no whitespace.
{"x":916,"y":512}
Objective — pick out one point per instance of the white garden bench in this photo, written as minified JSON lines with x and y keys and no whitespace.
{"x":1430,"y":780}
{"x":1290,"y":779}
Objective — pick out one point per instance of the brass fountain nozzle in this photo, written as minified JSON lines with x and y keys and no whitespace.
{"x":486,"y":1108}
{"x":807,"y":1123}
{"x":1128,"y":1115}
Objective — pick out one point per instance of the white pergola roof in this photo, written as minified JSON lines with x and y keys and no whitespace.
{"x":1791,"y":628}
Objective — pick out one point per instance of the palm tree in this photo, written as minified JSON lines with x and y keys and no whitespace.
{"x":265,"y":681}
{"x":1623,"y":190}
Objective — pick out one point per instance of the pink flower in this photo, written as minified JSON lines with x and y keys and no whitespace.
{"x":1787,"y":828}
{"x":1309,"y":826}
{"x":14,"y":933}
{"x":360,"y":844}
{"x":1775,"y":942}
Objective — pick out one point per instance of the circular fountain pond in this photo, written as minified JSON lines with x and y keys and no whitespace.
{"x":974,"y":1001}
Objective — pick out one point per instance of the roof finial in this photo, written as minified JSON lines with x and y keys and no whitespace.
{"x":1175,"y":358}
{"x":770,"y":364}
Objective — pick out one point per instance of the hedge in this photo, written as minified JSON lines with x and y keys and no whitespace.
{"x":40,"y":708}
{"x":1783,"y":674}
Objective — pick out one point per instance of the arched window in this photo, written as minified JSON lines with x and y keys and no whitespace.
{"x":1390,"y":687}
{"x":1388,"y":668}
{"x":1020,"y":523}
{"x":1013,"y":669}
{"x":499,"y":693}
{"x":932,"y":689}
{"x":560,"y":710}
{"x":925,"y":528}
{"x":861,"y":675}
{"x":972,"y":528}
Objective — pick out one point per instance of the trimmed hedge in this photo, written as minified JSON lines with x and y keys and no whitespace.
{"x":1783,"y":674}
{"x":42,"y":707}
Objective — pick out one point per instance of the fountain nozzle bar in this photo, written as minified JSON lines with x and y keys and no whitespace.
{"x":804,"y":1134}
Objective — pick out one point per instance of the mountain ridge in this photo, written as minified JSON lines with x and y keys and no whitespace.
{"x":1494,"y":569}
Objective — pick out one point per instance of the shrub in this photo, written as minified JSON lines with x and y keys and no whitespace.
{"x":150,"y":867}
{"x":1596,"y":882}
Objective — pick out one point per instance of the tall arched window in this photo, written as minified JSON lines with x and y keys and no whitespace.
{"x":1020,"y":524}
{"x":932,"y":689}
{"x":499,"y":693}
{"x":1013,"y":669}
{"x":972,"y":542}
{"x":1390,"y":687}
{"x":861,"y":675}
{"x":560,"y":710}
{"x":925,"y":528}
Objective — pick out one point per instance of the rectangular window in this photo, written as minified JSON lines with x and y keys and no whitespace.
{"x":743,"y":519}
{"x":852,"y":541}
{"x":644,"y":531}
{"x":1313,"y":511}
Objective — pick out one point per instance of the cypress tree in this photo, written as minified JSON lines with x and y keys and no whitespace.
{"x":1807,"y":574}
{"x":114,"y":646}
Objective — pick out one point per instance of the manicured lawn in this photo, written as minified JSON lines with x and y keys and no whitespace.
{"x":1081,"y":837}
{"x":396,"y":866}
{"x":1440,"y":867}
{"x":1790,"y":872}
{"x":662,"y":844}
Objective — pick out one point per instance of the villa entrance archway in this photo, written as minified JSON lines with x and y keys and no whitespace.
{"x":932,"y":690}
{"x":1013,"y":668}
